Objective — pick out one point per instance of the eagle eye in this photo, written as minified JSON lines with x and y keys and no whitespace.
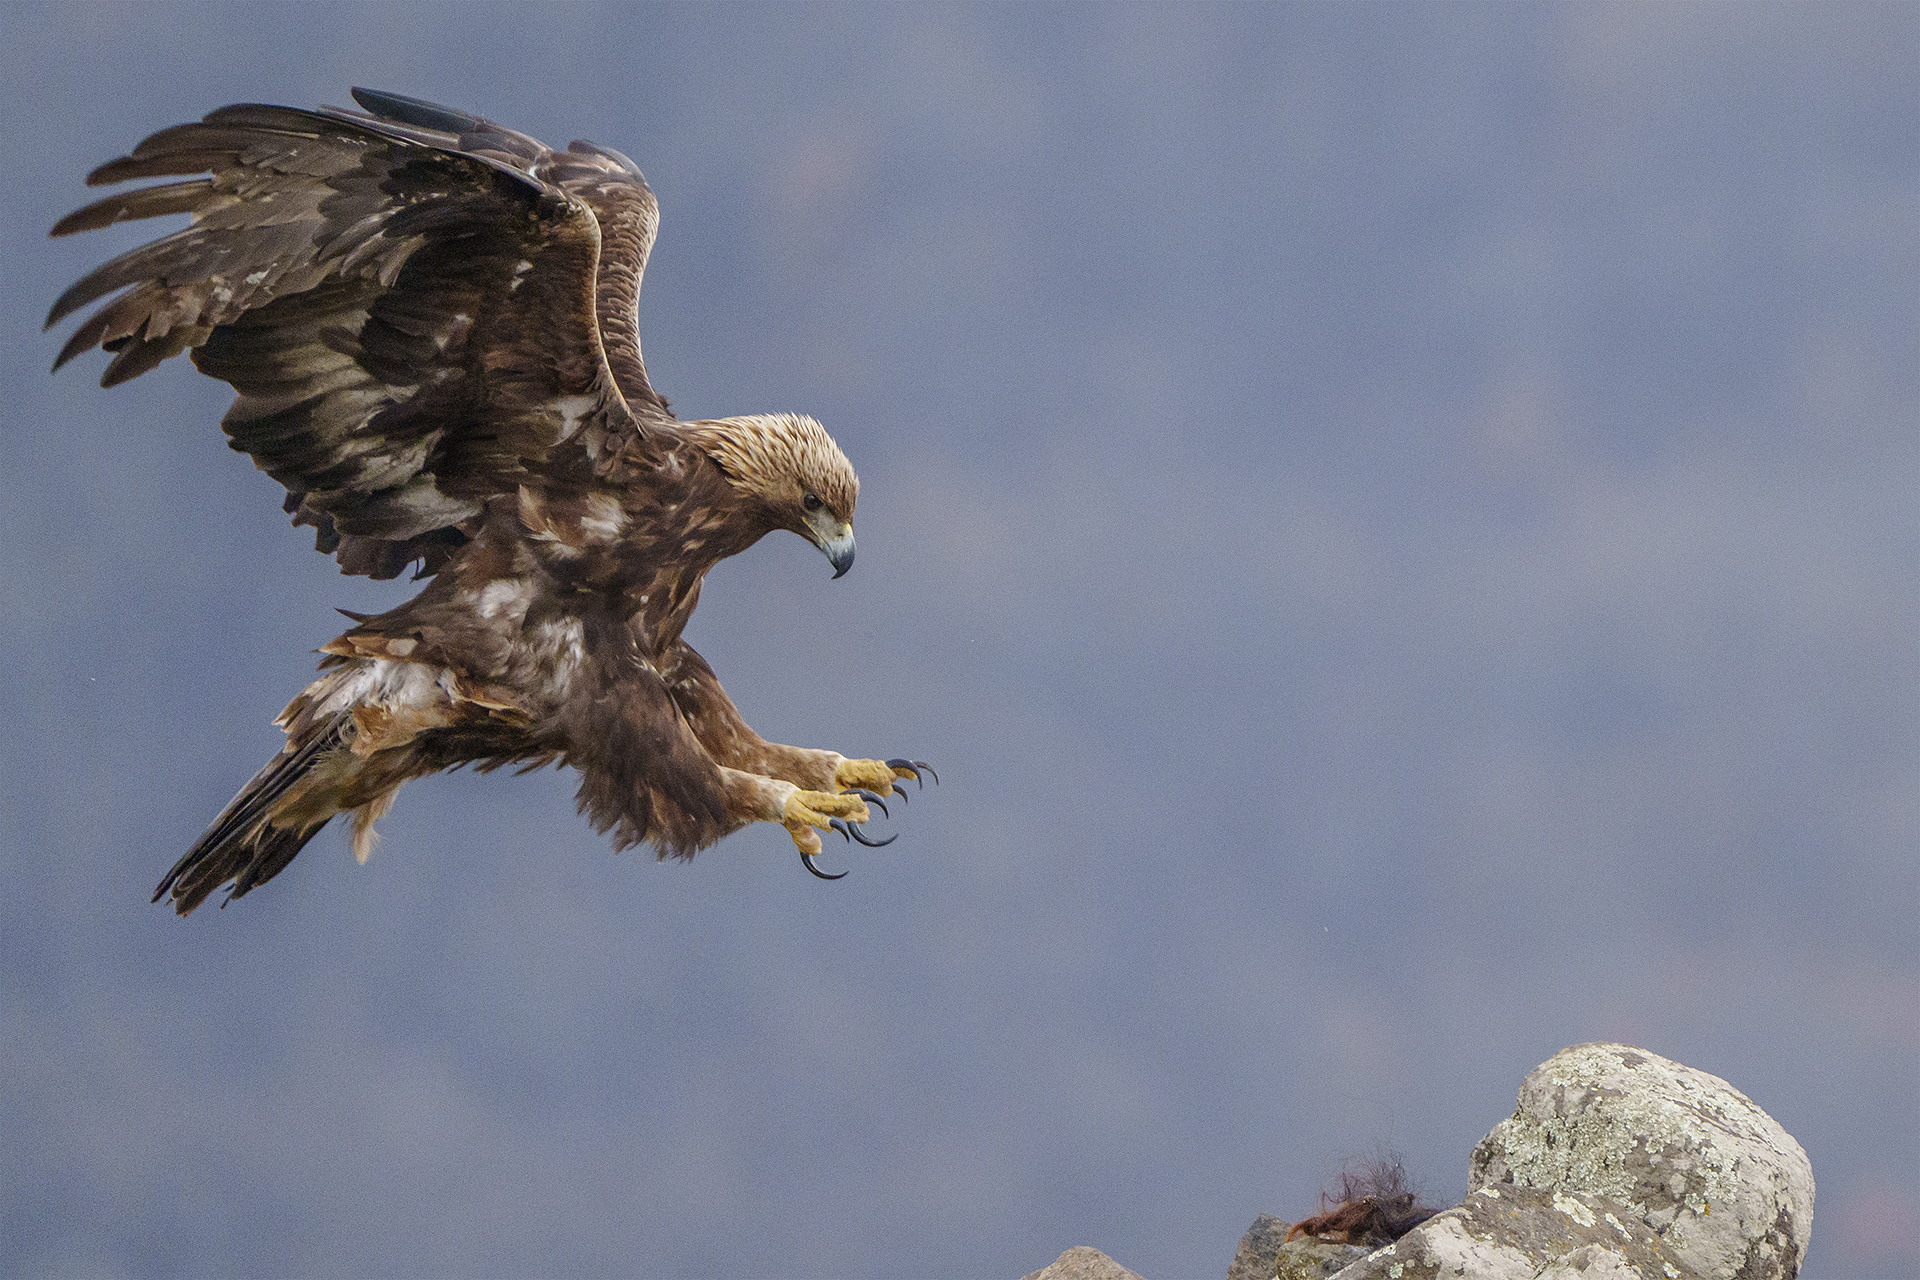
{"x":811,"y":502}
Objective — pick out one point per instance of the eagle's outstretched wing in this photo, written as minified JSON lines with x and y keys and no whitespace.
{"x":418,"y":310}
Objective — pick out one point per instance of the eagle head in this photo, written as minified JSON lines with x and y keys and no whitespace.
{"x":791,"y":475}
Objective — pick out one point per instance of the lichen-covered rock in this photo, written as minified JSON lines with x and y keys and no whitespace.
{"x":1520,"y":1233}
{"x":1311,"y":1259}
{"x":1259,"y":1250}
{"x":1590,"y":1262}
{"x":1728,"y":1189}
{"x":1083,"y":1262}
{"x":1265,"y":1253}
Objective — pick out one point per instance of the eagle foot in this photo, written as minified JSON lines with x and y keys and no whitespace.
{"x":806,"y":810}
{"x":880,"y":775}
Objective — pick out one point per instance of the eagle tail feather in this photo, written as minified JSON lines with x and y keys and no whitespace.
{"x":244,"y":846}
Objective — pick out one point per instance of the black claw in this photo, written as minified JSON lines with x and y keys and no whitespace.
{"x":871,"y":798}
{"x":840,"y":825}
{"x":861,"y":836}
{"x":896,"y":791}
{"x":808,"y":859}
{"x":914,"y":767}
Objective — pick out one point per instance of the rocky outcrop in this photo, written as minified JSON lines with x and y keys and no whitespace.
{"x":1259,"y":1250}
{"x":1310,"y":1259}
{"x":1728,"y":1190}
{"x":1265,"y":1253}
{"x":1616,"y":1164}
{"x":1083,"y":1262}
{"x":1521,"y":1233}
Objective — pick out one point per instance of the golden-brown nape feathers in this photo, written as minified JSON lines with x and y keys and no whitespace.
{"x":765,"y":454}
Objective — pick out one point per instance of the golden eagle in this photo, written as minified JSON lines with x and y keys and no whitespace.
{"x":431,"y":324}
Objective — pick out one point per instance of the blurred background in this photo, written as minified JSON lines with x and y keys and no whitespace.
{"x":1398,"y":527}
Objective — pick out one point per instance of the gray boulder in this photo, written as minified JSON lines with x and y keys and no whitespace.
{"x":1728,"y":1190}
{"x":1527,"y":1233}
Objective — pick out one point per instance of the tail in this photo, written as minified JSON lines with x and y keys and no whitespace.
{"x":244,"y":845}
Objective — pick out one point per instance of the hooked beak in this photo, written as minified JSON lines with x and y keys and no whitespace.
{"x":841,"y":556}
{"x":835,"y":538}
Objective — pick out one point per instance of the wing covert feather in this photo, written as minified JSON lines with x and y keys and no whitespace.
{"x":608,"y":182}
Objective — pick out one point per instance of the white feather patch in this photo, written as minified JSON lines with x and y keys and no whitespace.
{"x":571,"y":410}
{"x":603,"y":518}
{"x":506,"y":595}
{"x":559,"y":646}
{"x":386,"y":682}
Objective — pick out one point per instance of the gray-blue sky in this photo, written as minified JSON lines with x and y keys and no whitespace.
{"x":1397,"y":525}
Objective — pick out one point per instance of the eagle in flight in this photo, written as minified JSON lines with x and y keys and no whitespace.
{"x":431,"y":324}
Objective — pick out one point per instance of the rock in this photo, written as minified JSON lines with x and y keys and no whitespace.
{"x":1591,"y":1262}
{"x":1519,"y":1233}
{"x":1265,"y":1253}
{"x":1728,"y":1190}
{"x":1259,"y":1250}
{"x":1310,"y":1259}
{"x":1083,"y":1262}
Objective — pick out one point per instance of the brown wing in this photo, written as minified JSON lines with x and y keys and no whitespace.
{"x":609,"y":183}
{"x":411,"y":326}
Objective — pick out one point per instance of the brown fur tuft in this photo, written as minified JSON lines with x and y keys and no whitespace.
{"x":1373,"y":1205}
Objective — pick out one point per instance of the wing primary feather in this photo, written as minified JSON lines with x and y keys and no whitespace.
{"x":141,"y":354}
{"x":416,"y":111}
{"x":188,"y":251}
{"x":147,"y":202}
{"x":200,"y":146}
{"x":82,"y":340}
